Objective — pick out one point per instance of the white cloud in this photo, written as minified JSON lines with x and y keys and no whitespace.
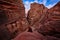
{"x":49,"y":6}
{"x":26,"y":2}
{"x":27,"y":6}
{"x":43,"y":2}
{"x":36,"y":1}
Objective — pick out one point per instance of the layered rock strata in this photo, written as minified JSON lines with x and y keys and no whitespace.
{"x":12,"y":19}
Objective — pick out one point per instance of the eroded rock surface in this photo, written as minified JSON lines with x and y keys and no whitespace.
{"x":54,"y":12}
{"x":34,"y":36}
{"x":36,"y":12}
{"x":12,"y":19}
{"x":46,"y":22}
{"x":30,"y":36}
{"x":52,"y":25}
{"x":41,"y":23}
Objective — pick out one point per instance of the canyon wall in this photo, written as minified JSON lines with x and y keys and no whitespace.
{"x":36,"y":14}
{"x":12,"y":19}
{"x":55,"y":12}
{"x":41,"y":19}
{"x":45,"y":21}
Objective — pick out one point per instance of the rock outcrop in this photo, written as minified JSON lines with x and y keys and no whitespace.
{"x":52,"y":28}
{"x":30,"y":36}
{"x":52,"y":25}
{"x":54,"y":12}
{"x":12,"y":19}
{"x":45,"y":21}
{"x":37,"y":14}
{"x":34,"y":36}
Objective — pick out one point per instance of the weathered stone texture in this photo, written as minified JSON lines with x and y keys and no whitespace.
{"x":36,"y":12}
{"x":46,"y":21}
{"x":41,"y":19}
{"x":12,"y":19}
{"x":30,"y":36}
{"x":55,"y":12}
{"x":52,"y":25}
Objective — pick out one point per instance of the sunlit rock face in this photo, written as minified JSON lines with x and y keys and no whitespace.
{"x":12,"y":19}
{"x":35,"y":13}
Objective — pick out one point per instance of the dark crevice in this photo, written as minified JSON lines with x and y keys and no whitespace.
{"x":30,"y":30}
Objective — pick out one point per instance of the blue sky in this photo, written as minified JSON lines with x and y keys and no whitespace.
{"x":47,"y":3}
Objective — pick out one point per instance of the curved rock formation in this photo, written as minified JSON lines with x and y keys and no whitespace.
{"x":52,"y":25}
{"x":48,"y":20}
{"x":12,"y":19}
{"x":36,"y":12}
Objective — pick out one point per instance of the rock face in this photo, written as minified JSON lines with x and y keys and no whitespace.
{"x":12,"y":19}
{"x":52,"y":25}
{"x":12,"y":9}
{"x":52,"y":28}
{"x":54,"y":12}
{"x":45,"y":21}
{"x":34,"y":36}
{"x":30,"y":36}
{"x":37,"y":14}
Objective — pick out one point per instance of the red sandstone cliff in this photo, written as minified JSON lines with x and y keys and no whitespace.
{"x":46,"y":21}
{"x":52,"y":25}
{"x":12,"y":18}
{"x":36,"y":12}
{"x":41,"y":19}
